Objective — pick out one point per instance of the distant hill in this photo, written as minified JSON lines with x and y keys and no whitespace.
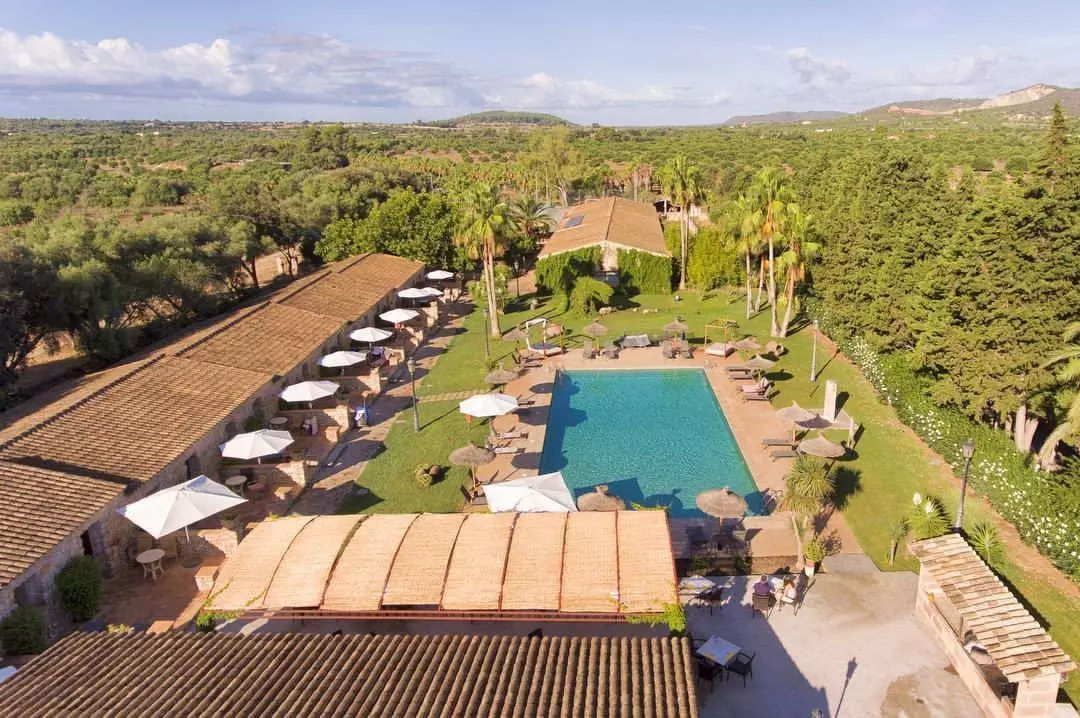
{"x":928,"y":108}
{"x":500,"y":117}
{"x":785,"y":118}
{"x":1029,"y":102}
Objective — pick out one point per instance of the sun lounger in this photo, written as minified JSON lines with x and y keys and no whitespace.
{"x":778,"y":442}
{"x":508,"y":435}
{"x":610,"y":351}
{"x":507,"y":450}
{"x":783,"y":454}
{"x":666,"y":350}
{"x":762,"y":387}
{"x":719,"y":350}
{"x":756,"y":397}
{"x":741,"y":377}
{"x":734,"y":368}
{"x":473,"y":498}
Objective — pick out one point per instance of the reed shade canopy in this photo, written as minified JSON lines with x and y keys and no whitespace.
{"x":472,"y":456}
{"x":500,"y":377}
{"x":600,"y":500}
{"x":759,"y":363}
{"x":747,"y":344}
{"x":721,"y":503}
{"x":595,"y":329}
{"x":801,"y":418}
{"x":820,"y":446}
{"x":676,"y":327}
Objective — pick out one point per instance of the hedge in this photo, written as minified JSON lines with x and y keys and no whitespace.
{"x":1044,"y":508}
{"x":22,"y":632}
{"x":79,"y":587}
{"x":558,"y":272}
{"x":645,"y":273}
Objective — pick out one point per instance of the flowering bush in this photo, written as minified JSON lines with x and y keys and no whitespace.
{"x":1042,"y":507}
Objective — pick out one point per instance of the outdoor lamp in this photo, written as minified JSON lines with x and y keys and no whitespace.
{"x":410,"y":364}
{"x":967,"y":449}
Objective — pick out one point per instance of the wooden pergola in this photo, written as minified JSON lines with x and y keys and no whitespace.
{"x":723,"y":325}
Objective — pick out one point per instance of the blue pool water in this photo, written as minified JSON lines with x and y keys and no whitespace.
{"x":654,"y":437}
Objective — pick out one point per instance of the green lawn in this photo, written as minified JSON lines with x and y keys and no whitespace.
{"x":890,"y":464}
{"x":389,"y":477}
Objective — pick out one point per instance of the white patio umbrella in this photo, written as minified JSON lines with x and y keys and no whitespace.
{"x":177,"y":507}
{"x":370,"y":335}
{"x":342,"y":359}
{"x":413,"y":293}
{"x":483,"y":405}
{"x":256,"y":444}
{"x":309,"y":391}
{"x":439,"y":275}
{"x":432,"y":291}
{"x":546,"y":492}
{"x":399,"y":316}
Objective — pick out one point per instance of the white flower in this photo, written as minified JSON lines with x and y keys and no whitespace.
{"x":916,"y":498}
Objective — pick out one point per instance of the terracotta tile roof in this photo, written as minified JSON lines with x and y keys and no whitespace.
{"x":1020,"y":647}
{"x":179,"y":673}
{"x":283,"y":335}
{"x":133,"y":427}
{"x":455,"y":562}
{"x":41,"y":508}
{"x":348,"y":290}
{"x":614,"y":221}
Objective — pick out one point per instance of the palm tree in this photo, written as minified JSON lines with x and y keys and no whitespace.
{"x":746,"y":230}
{"x":810,"y":483}
{"x":481,"y":233}
{"x":799,"y":251}
{"x":771,"y":195}
{"x":682,"y":184}
{"x":1068,"y":363}
{"x":529,"y":217}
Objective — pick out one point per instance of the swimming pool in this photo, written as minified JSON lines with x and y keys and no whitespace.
{"x":654,"y":437}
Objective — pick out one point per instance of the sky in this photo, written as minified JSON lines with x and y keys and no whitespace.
{"x":626,"y":63}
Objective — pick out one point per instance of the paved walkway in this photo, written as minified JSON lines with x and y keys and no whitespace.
{"x":358,"y":446}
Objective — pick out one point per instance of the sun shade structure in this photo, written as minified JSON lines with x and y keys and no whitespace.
{"x":389,"y":676}
{"x":472,"y":456}
{"x":721,"y":503}
{"x":399,"y":316}
{"x":820,"y":446}
{"x":747,"y":344}
{"x":595,"y":329}
{"x":177,"y":507}
{"x":309,"y":391}
{"x":796,"y":414}
{"x":514,"y":335}
{"x":342,"y":359}
{"x":553,"y":330}
{"x":553,"y":564}
{"x":431,"y":291}
{"x":759,"y":363}
{"x":546,"y":492}
{"x":413,"y":293}
{"x":1020,"y":647}
{"x":439,"y":275}
{"x":600,"y":500}
{"x":256,"y":444}
{"x":484,"y":405}
{"x":676,"y":327}
{"x":500,"y":376}
{"x":370,"y":335}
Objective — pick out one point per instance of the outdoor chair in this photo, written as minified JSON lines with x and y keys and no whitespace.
{"x":708,"y":671}
{"x":742,"y":665}
{"x":686,"y":351}
{"x":667,"y":351}
{"x":763,"y":604}
{"x":737,"y":369}
{"x":474,"y":497}
{"x":783,"y":454}
{"x":508,"y":435}
{"x":777,"y":442}
{"x":587,"y":351}
{"x":611,"y":351}
{"x":756,"y":397}
{"x":499,"y":450}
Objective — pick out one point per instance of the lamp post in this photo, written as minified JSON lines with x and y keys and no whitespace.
{"x":813,"y":354}
{"x":517,"y":277}
{"x":487,"y":348}
{"x":968,"y":450}
{"x":411,"y":364}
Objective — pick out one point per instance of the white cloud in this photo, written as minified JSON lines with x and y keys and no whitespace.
{"x":544,"y":91}
{"x":817,"y":71}
{"x":976,"y":69}
{"x":699,"y":28}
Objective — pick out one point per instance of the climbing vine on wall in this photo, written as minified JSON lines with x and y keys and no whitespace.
{"x":644,"y":273}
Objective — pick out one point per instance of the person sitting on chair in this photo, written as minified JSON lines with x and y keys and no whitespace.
{"x":762,"y":587}
{"x":789,"y":593}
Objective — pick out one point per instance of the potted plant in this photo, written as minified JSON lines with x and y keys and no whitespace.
{"x":814,"y":551}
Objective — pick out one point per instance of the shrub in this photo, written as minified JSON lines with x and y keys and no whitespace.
{"x":590,"y":294}
{"x":1016,"y":165}
{"x":927,"y":517}
{"x":641,"y":272}
{"x":816,"y":549}
{"x":557,"y":273}
{"x":426,"y":474}
{"x":22,"y":632}
{"x":986,"y":541}
{"x":79,"y":587}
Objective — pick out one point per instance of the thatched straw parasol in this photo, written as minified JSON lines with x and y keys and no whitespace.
{"x":500,"y":376}
{"x":595,"y":329}
{"x":600,"y":500}
{"x":820,"y":446}
{"x":472,"y":456}
{"x":747,"y":344}
{"x":759,"y":363}
{"x":721,"y":503}
{"x":796,"y":414}
{"x":514,"y":335}
{"x":676,"y":327}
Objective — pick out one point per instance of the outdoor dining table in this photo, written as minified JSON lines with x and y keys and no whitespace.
{"x":236,"y":482}
{"x":719,"y":651}
{"x":279,"y":421}
{"x":150,"y":560}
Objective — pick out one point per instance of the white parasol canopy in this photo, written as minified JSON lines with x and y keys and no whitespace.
{"x":309,"y":391}
{"x":483,"y":405}
{"x":256,"y":444}
{"x":370,"y":334}
{"x":547,"y":492}
{"x":399,"y":316}
{"x":439,"y":275}
{"x":177,"y":507}
{"x":340,"y":359}
{"x":413,"y":293}
{"x":431,"y":291}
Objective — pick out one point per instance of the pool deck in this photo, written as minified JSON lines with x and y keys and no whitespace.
{"x":750,"y":422}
